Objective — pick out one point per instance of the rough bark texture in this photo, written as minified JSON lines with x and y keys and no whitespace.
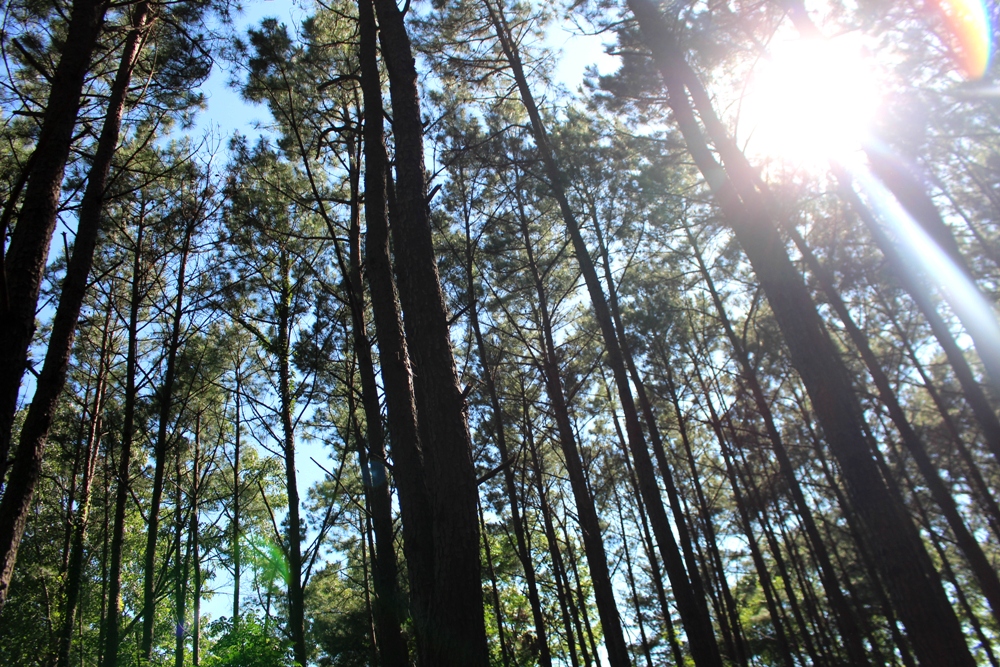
{"x":388,"y":608}
{"x":407,"y":454}
{"x":455,"y":631}
{"x":24,"y":263}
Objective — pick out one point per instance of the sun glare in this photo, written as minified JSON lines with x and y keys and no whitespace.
{"x":808,"y":100}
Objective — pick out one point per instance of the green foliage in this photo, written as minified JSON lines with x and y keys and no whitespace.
{"x":249,"y":643}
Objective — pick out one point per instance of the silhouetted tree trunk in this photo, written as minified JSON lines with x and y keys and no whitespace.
{"x":165,"y":397}
{"x":913,"y":584}
{"x":550,"y":534}
{"x":407,"y":453}
{"x":113,"y":619}
{"x":693,"y":610}
{"x":74,"y":571}
{"x":590,"y":524}
{"x":23,"y":266}
{"x":26,"y":263}
{"x":490,"y":369}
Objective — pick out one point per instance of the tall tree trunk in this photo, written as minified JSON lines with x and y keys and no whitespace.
{"x":647,"y":540}
{"x":293,"y":540}
{"x":458,"y":633}
{"x":388,"y":608}
{"x":113,"y":620}
{"x":34,"y":433}
{"x":495,"y":589}
{"x":974,"y":394}
{"x":630,"y":576}
{"x":692,"y":607}
{"x":181,"y":565}
{"x":550,"y":534}
{"x":23,"y":266}
{"x":165,"y":399}
{"x":74,"y":571}
{"x":590,"y":523}
{"x":844,"y":617}
{"x":490,"y":367}
{"x":194,"y":537}
{"x":982,"y":569}
{"x":235,"y":528}
{"x":913,"y":584}
{"x":404,"y":438}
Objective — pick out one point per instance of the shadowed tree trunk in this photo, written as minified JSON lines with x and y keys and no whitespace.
{"x":457,"y":635}
{"x":23,"y":288}
{"x":113,"y":619}
{"x":23,"y":266}
{"x":74,"y":573}
{"x":913,"y":584}
{"x":165,"y":398}
{"x":490,"y":368}
{"x":407,"y":453}
{"x":389,"y":608}
{"x":590,"y":524}
{"x":692,"y":607}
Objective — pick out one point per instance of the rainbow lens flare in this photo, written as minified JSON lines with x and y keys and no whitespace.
{"x":971,"y":37}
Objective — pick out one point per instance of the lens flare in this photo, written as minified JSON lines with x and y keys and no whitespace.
{"x":970,"y":34}
{"x":920,"y":250}
{"x":809,"y":100}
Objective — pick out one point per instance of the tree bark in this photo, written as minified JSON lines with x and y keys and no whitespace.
{"x":407,"y":453}
{"x":590,"y":524}
{"x":23,"y":266}
{"x":915,"y":588}
{"x":113,"y":619}
{"x":74,"y":572}
{"x":692,"y":607}
{"x":490,"y":368}
{"x":458,"y":634}
{"x":388,"y":607}
{"x":16,"y":501}
{"x":165,"y":397}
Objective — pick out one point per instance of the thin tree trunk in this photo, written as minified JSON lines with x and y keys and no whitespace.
{"x":497,"y":608}
{"x":293,"y":539}
{"x":974,"y":394}
{"x":235,"y":546}
{"x":590,"y":525}
{"x":630,"y":576}
{"x":111,"y":637}
{"x":849,"y":631}
{"x":692,"y":607}
{"x":74,"y":572}
{"x":647,"y":540}
{"x":490,"y":368}
{"x":181,"y":565}
{"x":194,"y":538}
{"x":165,"y":398}
{"x":550,"y":533}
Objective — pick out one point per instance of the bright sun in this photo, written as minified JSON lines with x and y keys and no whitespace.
{"x":808,"y":100}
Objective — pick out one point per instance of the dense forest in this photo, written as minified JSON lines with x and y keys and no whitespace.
{"x":445,"y":364}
